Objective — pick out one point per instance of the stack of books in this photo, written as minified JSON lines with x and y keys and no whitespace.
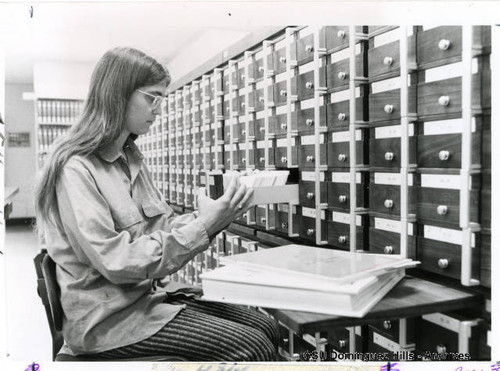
{"x":305,"y":278}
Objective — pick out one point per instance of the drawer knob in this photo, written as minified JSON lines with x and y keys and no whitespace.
{"x":341,"y":34}
{"x":309,"y":122}
{"x":342,"y":239}
{"x":284,"y":225}
{"x":284,"y":159}
{"x":342,"y":343}
{"x":244,"y":160}
{"x":228,"y":160}
{"x":310,"y":158}
{"x":261,"y":99}
{"x":342,"y":157}
{"x":442,"y":209}
{"x":244,"y":132}
{"x":388,"y":61}
{"x":283,"y":93}
{"x":262,"y":129}
{"x":283,"y":126}
{"x":388,"y":108}
{"x":213,"y":137}
{"x":213,"y":160}
{"x":440,"y":349}
{"x":444,"y":100}
{"x":310,"y":232}
{"x":444,"y":44}
{"x":342,"y":75}
{"x":309,"y":85}
{"x":342,"y":199}
{"x":262,"y":220}
{"x":227,"y":83}
{"x":342,"y":116}
{"x":244,"y":215}
{"x":261,"y":69}
{"x":282,"y":59}
{"x":443,"y":263}
{"x":310,"y":195}
{"x":262,"y":159}
{"x":243,"y":104}
{"x":243,"y":77}
{"x":389,"y":156}
{"x":444,"y":155}
{"x":388,"y":204}
{"x":309,"y":48}
{"x":387,"y":325}
{"x":388,"y":249}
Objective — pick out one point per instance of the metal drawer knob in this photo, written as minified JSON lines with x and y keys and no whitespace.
{"x":284,"y":159}
{"x":309,"y":122}
{"x":388,"y":204}
{"x":282,"y":59}
{"x":342,"y":157}
{"x":310,"y":158}
{"x":227,"y":83}
{"x":389,"y":156}
{"x":442,"y":209}
{"x":444,"y":155}
{"x":262,"y":220}
{"x":284,"y":225}
{"x":443,"y":263}
{"x":342,"y":116}
{"x":244,"y":215}
{"x":283,"y":126}
{"x":213,"y":137}
{"x":213,"y":160}
{"x":283,"y":93}
{"x":309,"y":48}
{"x":444,"y":100}
{"x":441,"y":349}
{"x":342,"y":199}
{"x":342,"y":75}
{"x":342,"y":343}
{"x":342,"y":239}
{"x":261,"y":69}
{"x":244,"y":132}
{"x":262,"y":159}
{"x":262,"y":129}
{"x":310,"y":232}
{"x":387,"y":325}
{"x":388,"y":108}
{"x":228,"y":160}
{"x":310,"y":195}
{"x":243,"y":77}
{"x":244,"y":160}
{"x":309,"y":85}
{"x":261,"y":99}
{"x":388,"y":249}
{"x":444,"y":44}
{"x":388,"y":61}
{"x":341,"y":34}
{"x":243,"y":104}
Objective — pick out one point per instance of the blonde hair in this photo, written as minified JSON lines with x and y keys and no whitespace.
{"x":117,"y":75}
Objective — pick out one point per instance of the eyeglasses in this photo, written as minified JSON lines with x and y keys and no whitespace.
{"x":157,"y":99}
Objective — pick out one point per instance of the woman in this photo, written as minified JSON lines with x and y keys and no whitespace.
{"x":113,"y":237}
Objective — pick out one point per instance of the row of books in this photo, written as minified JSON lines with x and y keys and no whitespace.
{"x":58,"y":111}
{"x":305,"y":278}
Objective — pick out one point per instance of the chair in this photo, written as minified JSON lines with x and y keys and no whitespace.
{"x":49,"y":292}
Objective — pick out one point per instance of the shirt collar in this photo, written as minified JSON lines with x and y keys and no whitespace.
{"x":111,"y":154}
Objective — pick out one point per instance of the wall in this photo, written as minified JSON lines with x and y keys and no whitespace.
{"x":20,"y":162}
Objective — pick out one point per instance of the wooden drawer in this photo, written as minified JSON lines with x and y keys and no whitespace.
{"x":386,"y":152}
{"x":260,"y":216}
{"x":486,"y":199}
{"x":382,"y":348}
{"x":338,"y":338}
{"x":486,"y":144}
{"x":338,"y":154}
{"x":339,"y":195}
{"x":279,"y":93}
{"x":305,"y":119}
{"x":385,"y":242}
{"x":443,"y":258}
{"x":240,"y":107}
{"x":303,"y":84}
{"x":445,"y":151}
{"x":260,"y":129}
{"x":226,"y":82}
{"x":307,"y":193}
{"x":280,"y":123}
{"x":336,"y":37}
{"x":188,"y":120}
{"x":281,"y":156}
{"x":282,"y":218}
{"x":257,"y":98}
{"x":338,"y":113}
{"x":227,"y":132}
{"x":443,"y":205}
{"x":197,"y":118}
{"x":307,"y":228}
{"x":242,"y":131}
{"x":485,"y":274}
{"x":439,"y":44}
{"x":226,"y":109}
{"x":307,"y":159}
{"x":305,"y":49}
{"x":339,"y":236}
{"x":277,"y":60}
{"x":385,"y":198}
{"x":390,"y":329}
{"x":338,"y":75}
{"x":256,"y":69}
{"x":386,"y":106}
{"x":227,"y":158}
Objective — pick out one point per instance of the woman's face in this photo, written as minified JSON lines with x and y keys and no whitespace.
{"x":140,"y":111}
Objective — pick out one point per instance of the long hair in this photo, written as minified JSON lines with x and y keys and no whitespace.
{"x":117,"y":75}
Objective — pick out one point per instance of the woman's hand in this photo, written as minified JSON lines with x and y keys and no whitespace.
{"x":218,"y":214}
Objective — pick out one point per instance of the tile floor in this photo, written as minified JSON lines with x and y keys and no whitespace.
{"x":28,"y":334}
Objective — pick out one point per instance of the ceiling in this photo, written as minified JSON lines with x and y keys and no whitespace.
{"x":82,"y":32}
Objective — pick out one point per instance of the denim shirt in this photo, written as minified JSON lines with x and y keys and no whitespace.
{"x":119,"y":236}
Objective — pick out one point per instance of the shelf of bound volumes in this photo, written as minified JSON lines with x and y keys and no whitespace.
{"x":53,"y":117}
{"x":387,"y":133}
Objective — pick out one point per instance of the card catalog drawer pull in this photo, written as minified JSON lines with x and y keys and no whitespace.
{"x":262,"y":159}
{"x":341,"y":34}
{"x":342,"y":343}
{"x":341,"y":75}
{"x":282,"y":59}
{"x":309,"y":85}
{"x":388,"y":108}
{"x":444,"y":155}
{"x":342,"y":157}
{"x":342,"y":116}
{"x":309,"y":122}
{"x":310,"y":195}
{"x":283,"y":126}
{"x":440,"y":349}
{"x":388,"y":61}
{"x":389,"y":204}
{"x":244,"y":160}
{"x":284,"y":225}
{"x":342,"y":239}
{"x":444,"y":44}
{"x":243,"y":132}
{"x":388,"y":249}
{"x":310,"y":232}
{"x":442,"y":209}
{"x":262,"y":129}
{"x":283,"y":93}
{"x":284,"y":159}
{"x":261,"y":99}
{"x":243,"y":104}
{"x":261,"y":69}
{"x":444,"y":100}
{"x":309,"y":48}
{"x":310,"y":158}
{"x":263,"y":220}
{"x":443,"y":263}
{"x":389,"y":156}
{"x":387,"y":325}
{"x":342,"y":199}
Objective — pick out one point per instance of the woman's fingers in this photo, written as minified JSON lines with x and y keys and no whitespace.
{"x":231,"y":189}
{"x":238,"y":196}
